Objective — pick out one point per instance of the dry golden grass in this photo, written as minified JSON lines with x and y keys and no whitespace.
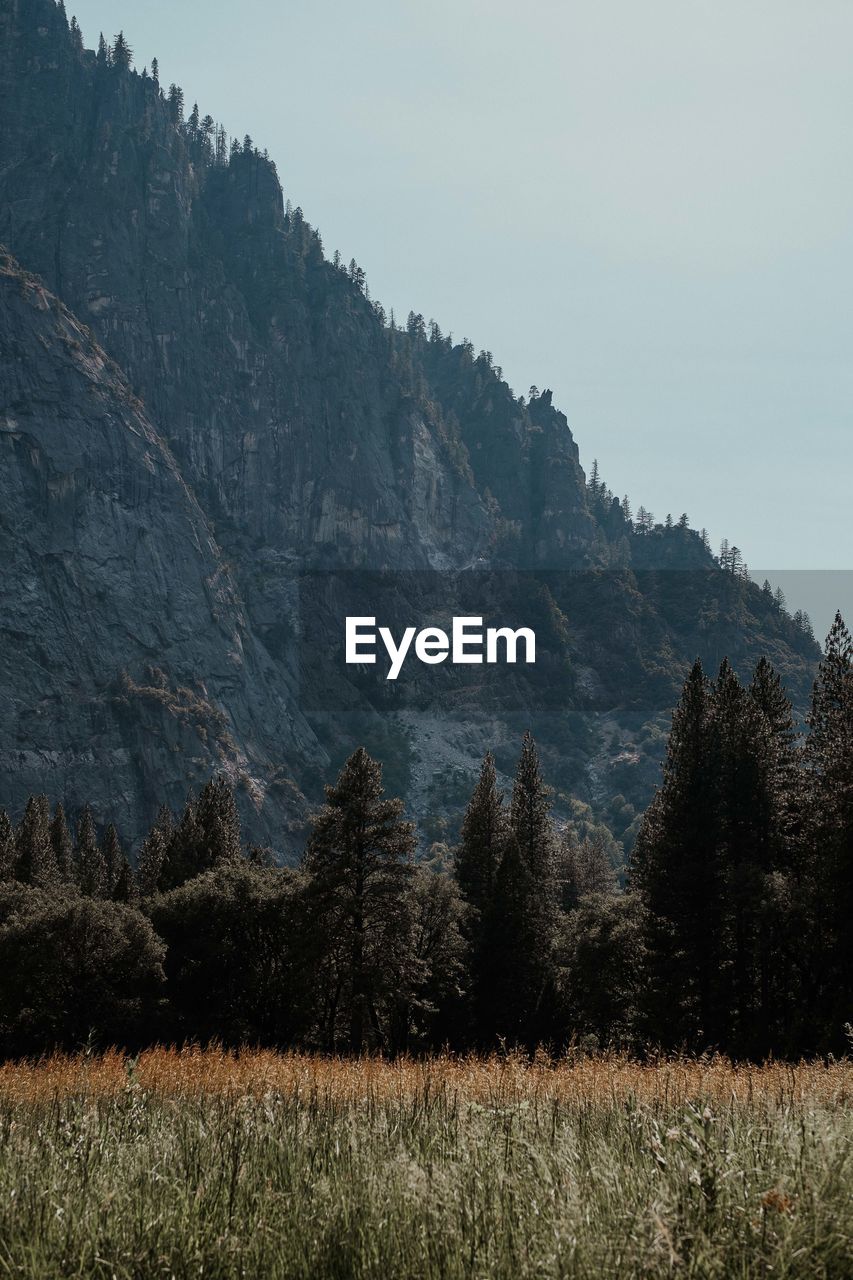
{"x":495,"y":1081}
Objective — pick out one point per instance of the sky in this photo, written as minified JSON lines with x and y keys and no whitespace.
{"x":646,"y":207}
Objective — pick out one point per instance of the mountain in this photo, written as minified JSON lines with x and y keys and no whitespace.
{"x":303,"y":443}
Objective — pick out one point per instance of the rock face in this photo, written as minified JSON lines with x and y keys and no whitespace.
{"x":128,"y":666}
{"x":267,"y":421}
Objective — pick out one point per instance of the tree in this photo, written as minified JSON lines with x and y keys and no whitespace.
{"x":207,"y":836}
{"x":523,"y":917}
{"x":229,"y":961}
{"x":676,"y":871}
{"x":62,"y":845}
{"x":434,"y":1014}
{"x":72,"y":966}
{"x":89,"y":862}
{"x":584,"y":867}
{"x":152,"y":856}
{"x":125,"y":889}
{"x":122,"y":53}
{"x":76,"y":36}
{"x":601,"y":953}
{"x":485,"y":831}
{"x":36,"y":864}
{"x":359,"y":868}
{"x":748,"y":823}
{"x":113,"y":858}
{"x":176,"y":103}
{"x":103,"y":57}
{"x":829,"y":757}
{"x":155,"y":71}
{"x":8,"y":850}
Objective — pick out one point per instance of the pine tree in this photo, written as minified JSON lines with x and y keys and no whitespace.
{"x":176,"y":103}
{"x":194,"y":123}
{"x":113,"y":858}
{"x":676,"y":869}
{"x":8,"y":850}
{"x":484,"y":833}
{"x":122,"y":53}
{"x":829,"y":756}
{"x":124,"y":888}
{"x":152,"y":855}
{"x":359,"y":868}
{"x":207,"y":836}
{"x":584,"y":868}
{"x":783,"y":925}
{"x":746,"y":823}
{"x":89,"y":862}
{"x":76,"y":36}
{"x":524,"y":916}
{"x":36,"y":864}
{"x":530,"y":817}
{"x":103,"y":57}
{"x":62,"y":844}
{"x":155,"y":71}
{"x":485,"y":830}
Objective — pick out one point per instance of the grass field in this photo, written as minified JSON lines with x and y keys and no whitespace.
{"x":199,"y":1163}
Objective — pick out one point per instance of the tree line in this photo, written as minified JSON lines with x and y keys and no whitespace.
{"x":731,"y":932}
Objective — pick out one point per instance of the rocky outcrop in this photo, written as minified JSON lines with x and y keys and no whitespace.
{"x":128,"y":667}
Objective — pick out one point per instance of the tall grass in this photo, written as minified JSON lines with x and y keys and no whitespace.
{"x":201,"y":1163}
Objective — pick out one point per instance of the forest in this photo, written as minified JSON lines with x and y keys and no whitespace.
{"x":728,"y":930}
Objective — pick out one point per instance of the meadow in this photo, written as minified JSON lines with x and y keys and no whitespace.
{"x":189,"y":1163}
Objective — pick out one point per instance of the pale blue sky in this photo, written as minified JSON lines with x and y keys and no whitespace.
{"x":647,"y":207}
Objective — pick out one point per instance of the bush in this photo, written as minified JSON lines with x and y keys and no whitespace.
{"x":74,"y":969}
{"x":229,"y":960}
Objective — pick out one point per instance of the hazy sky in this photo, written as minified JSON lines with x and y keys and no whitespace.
{"x":647,"y":207}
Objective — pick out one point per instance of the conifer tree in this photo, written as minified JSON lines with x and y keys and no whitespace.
{"x":829,"y":756}
{"x":584,"y":868}
{"x":155,"y":71}
{"x":113,"y":858}
{"x":746,"y":823}
{"x":8,"y":850}
{"x":122,"y":52}
{"x":485,"y":831}
{"x":76,"y":36}
{"x":524,"y":915}
{"x":676,"y":869}
{"x":35,"y":861}
{"x":207,"y":836}
{"x":124,"y":888}
{"x":63,"y":846}
{"x":359,"y":868}
{"x":152,"y":855}
{"x":176,"y":103}
{"x":88,"y":859}
{"x":783,"y":927}
{"x":530,"y":817}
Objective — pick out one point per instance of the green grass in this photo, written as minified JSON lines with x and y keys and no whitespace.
{"x":423,"y":1182}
